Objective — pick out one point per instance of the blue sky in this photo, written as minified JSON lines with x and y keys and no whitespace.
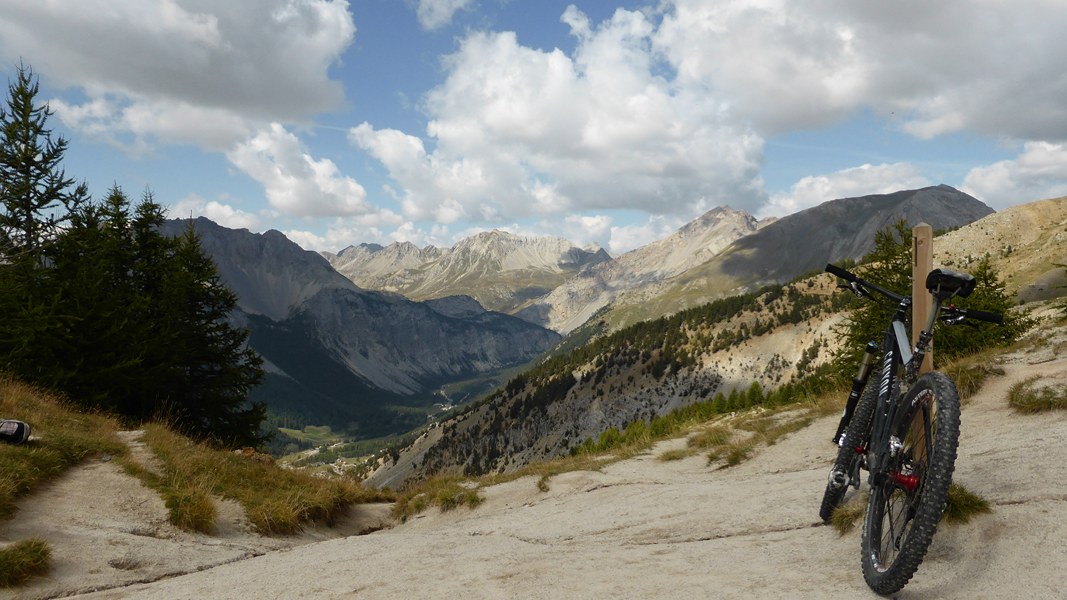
{"x":610,"y":123}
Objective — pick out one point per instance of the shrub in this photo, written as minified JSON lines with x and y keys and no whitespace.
{"x":889,"y":265}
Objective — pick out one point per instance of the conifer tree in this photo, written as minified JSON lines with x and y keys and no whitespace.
{"x":890,"y":266}
{"x":36,"y":196}
{"x":101,"y":306}
{"x":95,"y":358}
{"x":212,"y":368}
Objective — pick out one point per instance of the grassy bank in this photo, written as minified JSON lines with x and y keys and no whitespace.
{"x":189,"y":477}
{"x":276,"y":500}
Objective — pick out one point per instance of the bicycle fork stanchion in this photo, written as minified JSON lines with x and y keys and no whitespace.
{"x":858,"y":383}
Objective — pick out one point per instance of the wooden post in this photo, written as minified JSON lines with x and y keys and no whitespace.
{"x":922,"y":236}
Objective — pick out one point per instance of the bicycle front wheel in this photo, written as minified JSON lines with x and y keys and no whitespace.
{"x":908,"y":497}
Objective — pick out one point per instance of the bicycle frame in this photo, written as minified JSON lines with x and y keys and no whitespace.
{"x":900,"y":364}
{"x":900,"y":369}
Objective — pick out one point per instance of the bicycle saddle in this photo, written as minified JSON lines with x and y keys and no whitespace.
{"x":946,"y":283}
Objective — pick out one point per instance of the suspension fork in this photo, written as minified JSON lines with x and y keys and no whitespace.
{"x":859,"y":382}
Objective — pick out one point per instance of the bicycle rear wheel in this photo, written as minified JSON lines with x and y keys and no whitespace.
{"x":849,"y":454}
{"x":909,"y":496}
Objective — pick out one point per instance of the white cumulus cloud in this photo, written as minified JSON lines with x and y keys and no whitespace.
{"x":585,"y":230}
{"x":183,"y":70}
{"x":848,"y":183}
{"x":223,"y":214}
{"x":296,"y":183}
{"x":628,"y":237}
{"x":519,"y":132}
{"x":434,"y":14}
{"x":940,"y":67}
{"x":1038,"y":173}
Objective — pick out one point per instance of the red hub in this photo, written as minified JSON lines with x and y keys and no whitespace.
{"x":908,"y":482}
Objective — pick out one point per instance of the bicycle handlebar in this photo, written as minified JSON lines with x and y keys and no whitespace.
{"x":843,"y":274}
{"x":969,"y":313}
{"x":852,"y":277}
{"x":982,"y":315}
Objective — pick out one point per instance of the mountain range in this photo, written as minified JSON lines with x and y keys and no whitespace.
{"x":573,"y":303}
{"x":371,"y":361}
{"x":366,"y":362}
{"x":722,"y":252}
{"x":799,"y":243}
{"x":500,"y":270}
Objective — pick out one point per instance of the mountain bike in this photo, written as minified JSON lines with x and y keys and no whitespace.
{"x":902,"y":427}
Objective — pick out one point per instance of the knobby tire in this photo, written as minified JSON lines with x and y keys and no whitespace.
{"x":900,"y":523}
{"x":856,"y":434}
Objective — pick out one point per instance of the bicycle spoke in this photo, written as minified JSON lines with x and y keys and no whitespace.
{"x":894,"y":526}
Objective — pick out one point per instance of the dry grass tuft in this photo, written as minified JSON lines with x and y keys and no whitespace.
{"x":276,"y":501}
{"x":712,"y":437}
{"x":963,"y":505}
{"x":970,"y":374}
{"x":829,"y":403}
{"x":732,"y":454}
{"x":191,"y":507}
{"x":441,"y":491}
{"x":546,"y":470}
{"x":1029,"y":398}
{"x":24,"y":560}
{"x":846,"y":515}
{"x":670,"y":455}
{"x":61,"y":438}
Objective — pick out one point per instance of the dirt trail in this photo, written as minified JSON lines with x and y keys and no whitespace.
{"x":643,"y":528}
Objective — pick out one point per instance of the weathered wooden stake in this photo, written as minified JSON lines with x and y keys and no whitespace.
{"x":922,"y":236}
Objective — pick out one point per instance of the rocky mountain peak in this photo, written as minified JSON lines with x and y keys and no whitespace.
{"x":351,"y":251}
{"x":572,"y":303}
{"x":713,"y":218}
{"x":505,"y":251}
{"x":499,"y":269}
